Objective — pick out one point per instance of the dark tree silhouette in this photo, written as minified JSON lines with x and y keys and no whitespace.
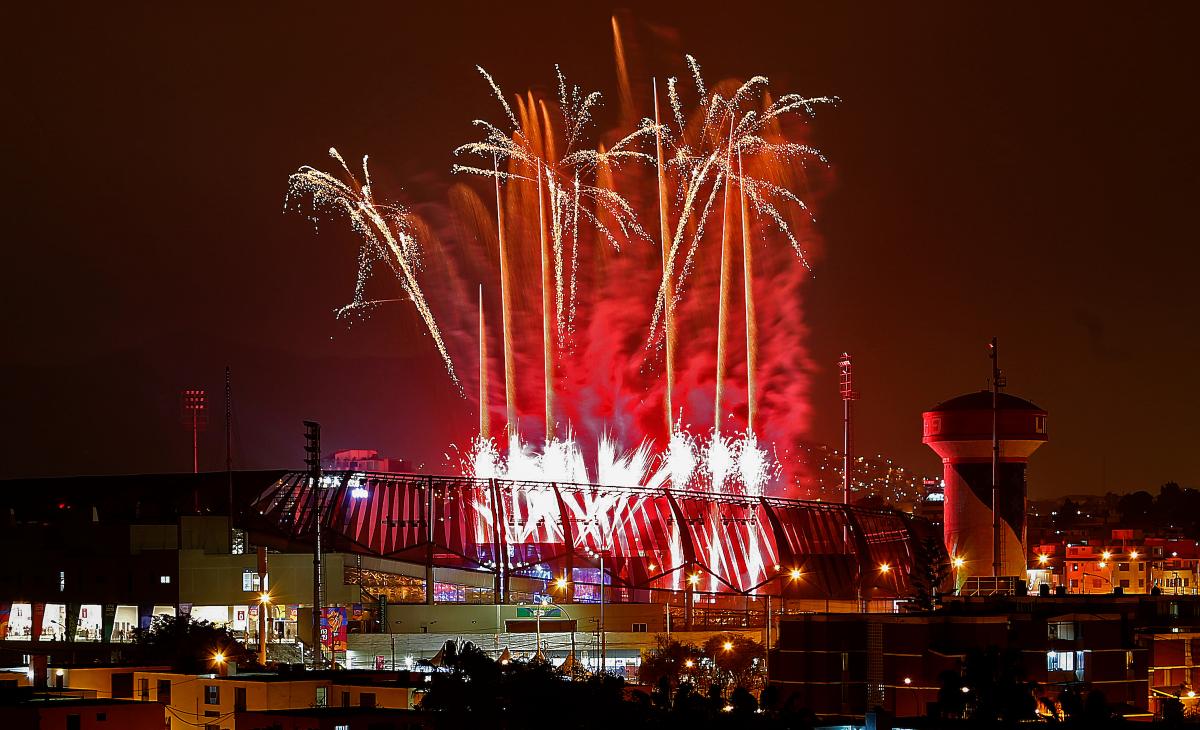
{"x":187,"y":645}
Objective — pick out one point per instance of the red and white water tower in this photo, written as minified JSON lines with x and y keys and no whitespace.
{"x":981,"y":445}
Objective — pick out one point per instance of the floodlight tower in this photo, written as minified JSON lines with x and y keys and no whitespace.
{"x":194,"y":412}
{"x":849,"y":395}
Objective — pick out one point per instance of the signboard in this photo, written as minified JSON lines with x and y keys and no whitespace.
{"x":379,"y":664}
{"x":534,"y":612}
{"x":333,"y":628}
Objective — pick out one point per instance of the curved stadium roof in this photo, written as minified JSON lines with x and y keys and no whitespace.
{"x":653,"y":539}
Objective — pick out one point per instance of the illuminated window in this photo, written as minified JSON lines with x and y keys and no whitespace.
{"x":212,"y":694}
{"x":1060,"y":661}
{"x":322,"y":696}
{"x":250,"y":580}
{"x":164,"y":579}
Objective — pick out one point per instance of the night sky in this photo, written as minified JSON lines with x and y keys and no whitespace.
{"x":1010,"y":170}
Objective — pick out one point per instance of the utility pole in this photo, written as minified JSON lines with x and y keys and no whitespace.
{"x":997,"y":384}
{"x":312,"y":460}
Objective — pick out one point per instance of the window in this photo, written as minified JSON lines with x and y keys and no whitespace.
{"x":1061,"y":630}
{"x":212,"y":694}
{"x":322,"y":697}
{"x":143,"y":689}
{"x":1060,"y":661}
{"x":366,"y":699}
{"x":164,"y":691}
{"x":341,"y":727}
{"x":345,"y":699}
{"x":639,"y":628}
{"x":101,"y":717}
{"x":250,"y":580}
{"x":1123,"y":567}
{"x":73,"y":722}
{"x":164,"y":579}
{"x":1074,"y":582}
{"x":239,"y":699}
{"x":1124,"y":583}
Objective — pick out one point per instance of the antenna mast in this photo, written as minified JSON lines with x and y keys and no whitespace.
{"x":997,"y":383}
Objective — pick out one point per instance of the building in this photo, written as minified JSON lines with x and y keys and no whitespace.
{"x":411,"y":561}
{"x":845,"y":664}
{"x":62,"y":711}
{"x":334,"y":718}
{"x":367,"y":460}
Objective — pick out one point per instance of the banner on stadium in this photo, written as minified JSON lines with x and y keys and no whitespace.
{"x":333,"y":628}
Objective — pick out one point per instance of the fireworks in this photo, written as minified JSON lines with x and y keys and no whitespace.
{"x":387,"y":236}
{"x":607,"y":297}
{"x":716,"y":463}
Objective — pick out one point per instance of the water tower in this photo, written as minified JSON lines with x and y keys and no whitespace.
{"x":968,"y":434}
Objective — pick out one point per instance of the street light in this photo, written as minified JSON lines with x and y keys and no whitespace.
{"x":264,"y":601}
{"x":727,"y":646}
{"x":1043,"y":559}
{"x":884,"y":568}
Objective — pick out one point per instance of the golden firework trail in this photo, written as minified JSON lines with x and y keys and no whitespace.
{"x":387,"y":235}
{"x":506,"y":317}
{"x":547,"y":311}
{"x":751,"y":319}
{"x":484,"y":426}
{"x":724,"y":293}
{"x":664,"y":224}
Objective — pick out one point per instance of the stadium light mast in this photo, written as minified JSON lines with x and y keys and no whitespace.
{"x":312,"y":460}
{"x":194,"y":403}
{"x":849,"y":395}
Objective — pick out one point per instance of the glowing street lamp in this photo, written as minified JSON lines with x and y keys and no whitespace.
{"x":1105,"y":555}
{"x":795,"y":574}
{"x":727,"y":646}
{"x":1043,"y":559}
{"x":264,"y":601}
{"x":884,"y":568}
{"x":1133,"y":554}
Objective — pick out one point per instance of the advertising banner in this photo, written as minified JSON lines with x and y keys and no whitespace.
{"x":108,"y":621}
{"x":379,"y":663}
{"x":333,"y":628}
{"x":39,"y":615}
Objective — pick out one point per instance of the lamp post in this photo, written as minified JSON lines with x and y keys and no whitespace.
{"x":264,"y":604}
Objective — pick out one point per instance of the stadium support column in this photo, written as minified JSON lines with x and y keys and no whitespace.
{"x":429,"y":585}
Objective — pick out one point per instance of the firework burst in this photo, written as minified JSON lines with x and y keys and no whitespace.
{"x":386,"y":230}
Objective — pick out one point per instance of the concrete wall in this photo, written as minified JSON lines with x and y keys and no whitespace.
{"x":216,"y":579}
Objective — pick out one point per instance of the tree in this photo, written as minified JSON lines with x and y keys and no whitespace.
{"x":187,"y":645}
{"x":734,"y":659}
{"x":1135,"y":509}
{"x":668,"y":660}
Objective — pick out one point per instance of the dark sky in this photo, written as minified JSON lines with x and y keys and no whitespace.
{"x":1005,"y":169}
